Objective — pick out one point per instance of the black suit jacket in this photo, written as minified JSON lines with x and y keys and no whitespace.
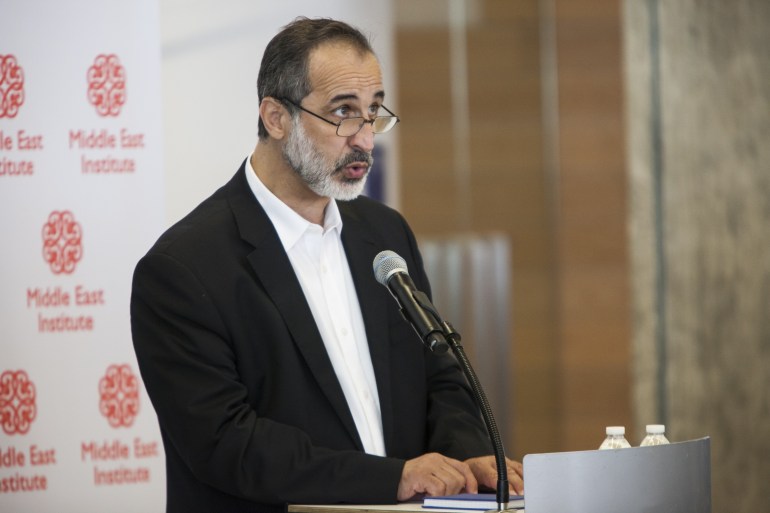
{"x":251,"y":412}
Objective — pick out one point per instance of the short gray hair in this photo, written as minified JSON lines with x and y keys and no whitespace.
{"x":284,"y":71}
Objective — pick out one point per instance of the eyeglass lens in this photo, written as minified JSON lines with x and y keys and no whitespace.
{"x":352,"y":126}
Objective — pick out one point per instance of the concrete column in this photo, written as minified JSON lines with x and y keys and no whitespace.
{"x":698,"y":111}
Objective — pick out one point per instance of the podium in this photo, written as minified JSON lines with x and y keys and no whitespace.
{"x":674,"y":478}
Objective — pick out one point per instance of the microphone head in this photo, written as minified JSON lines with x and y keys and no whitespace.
{"x":386,"y":263}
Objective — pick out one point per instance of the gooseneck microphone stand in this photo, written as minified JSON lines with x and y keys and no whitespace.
{"x":454,"y":339}
{"x":417,"y":309}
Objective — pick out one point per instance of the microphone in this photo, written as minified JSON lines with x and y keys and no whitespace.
{"x":390,"y":270}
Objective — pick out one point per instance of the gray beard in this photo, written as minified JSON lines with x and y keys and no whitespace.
{"x":319,"y":175}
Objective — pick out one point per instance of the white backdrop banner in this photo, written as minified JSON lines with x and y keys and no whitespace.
{"x":81,"y":198}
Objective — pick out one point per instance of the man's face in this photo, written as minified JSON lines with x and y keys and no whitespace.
{"x":345,"y":84}
{"x":322,"y":175}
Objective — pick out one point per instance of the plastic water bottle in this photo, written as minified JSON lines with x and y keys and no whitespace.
{"x":616,"y":438}
{"x":655,"y":435}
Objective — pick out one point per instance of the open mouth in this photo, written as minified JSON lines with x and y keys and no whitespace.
{"x":355,"y":171}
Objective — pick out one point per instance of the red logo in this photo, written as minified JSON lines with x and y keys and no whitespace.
{"x":17,"y":402}
{"x":11,"y":86}
{"x":119,"y":393}
{"x":107,"y":85}
{"x":62,"y":242}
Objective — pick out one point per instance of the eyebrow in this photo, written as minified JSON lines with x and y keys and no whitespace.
{"x":379,"y":95}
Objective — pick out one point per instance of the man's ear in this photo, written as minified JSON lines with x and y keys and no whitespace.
{"x":275,"y":117}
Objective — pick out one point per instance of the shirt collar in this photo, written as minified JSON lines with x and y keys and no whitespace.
{"x":289,"y":224}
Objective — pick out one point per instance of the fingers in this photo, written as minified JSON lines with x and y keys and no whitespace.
{"x":515,"y":476}
{"x":469,"y":480}
{"x":434,"y":474}
{"x":485,"y":470}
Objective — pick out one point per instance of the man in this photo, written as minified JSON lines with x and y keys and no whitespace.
{"x":280,"y":370}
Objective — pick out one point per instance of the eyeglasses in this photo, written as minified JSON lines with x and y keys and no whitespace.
{"x":351,"y":126}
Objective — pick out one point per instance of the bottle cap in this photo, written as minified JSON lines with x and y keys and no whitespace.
{"x":615,"y":430}
{"x":656,"y":429}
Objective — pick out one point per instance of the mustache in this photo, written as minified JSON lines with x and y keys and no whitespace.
{"x":355,"y":156}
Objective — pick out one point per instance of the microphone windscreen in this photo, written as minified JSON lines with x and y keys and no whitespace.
{"x":386,"y":263}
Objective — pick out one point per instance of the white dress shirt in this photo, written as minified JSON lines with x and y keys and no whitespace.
{"x":319,"y":261}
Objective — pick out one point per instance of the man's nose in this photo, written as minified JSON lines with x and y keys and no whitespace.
{"x":364,"y":139}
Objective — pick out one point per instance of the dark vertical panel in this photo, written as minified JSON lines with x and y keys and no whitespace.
{"x":656,"y":158}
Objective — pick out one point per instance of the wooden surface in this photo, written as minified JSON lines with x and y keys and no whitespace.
{"x":570,"y":314}
{"x":347,"y":508}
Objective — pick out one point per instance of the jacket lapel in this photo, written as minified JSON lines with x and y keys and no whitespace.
{"x":361,"y":248}
{"x":274,"y":271}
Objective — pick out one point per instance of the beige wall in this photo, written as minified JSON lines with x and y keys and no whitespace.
{"x":626,"y":157}
{"x":546,"y":168}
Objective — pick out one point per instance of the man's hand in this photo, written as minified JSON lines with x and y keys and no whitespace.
{"x":484,"y":469}
{"x":434,"y":474}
